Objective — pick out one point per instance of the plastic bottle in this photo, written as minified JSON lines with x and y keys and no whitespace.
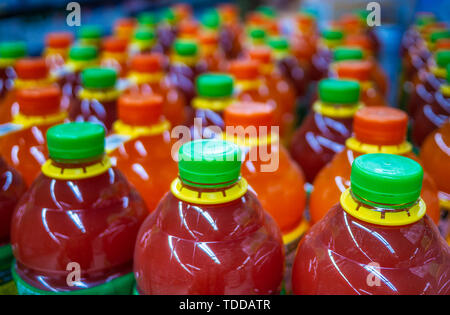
{"x":376,"y":238}
{"x":115,"y":54}
{"x":280,"y":89}
{"x":435,"y":155}
{"x":214,"y":94}
{"x":209,"y":234}
{"x":428,"y":81}
{"x":124,"y":28}
{"x":57,"y":45}
{"x":79,"y":213}
{"x":13,"y":187}
{"x":9,"y":53}
{"x":231,"y":32}
{"x":185,"y":67}
{"x":147,"y":76}
{"x":432,"y":115}
{"x":375,"y":130}
{"x":325,"y":129}
{"x":25,"y":149}
{"x":97,"y":100}
{"x":288,"y":64}
{"x":270,"y":172}
{"x":31,"y":73}
{"x":145,"y":156}
{"x":361,"y":71}
{"x":147,"y":20}
{"x":143,"y":41}
{"x":210,"y":49}
{"x":90,"y":35}
{"x":80,"y":58}
{"x":166,"y":32}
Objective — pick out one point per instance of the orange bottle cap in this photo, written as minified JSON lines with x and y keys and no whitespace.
{"x":188,"y":27}
{"x":31,"y":69}
{"x":147,"y":63}
{"x":380,"y":125}
{"x":209,"y":38}
{"x":140,"y":109}
{"x":114,"y":44}
{"x":182,"y":10}
{"x":39,"y":101}
{"x":261,"y":54}
{"x":255,"y":19}
{"x":125,"y":23}
{"x":359,"y":40}
{"x":249,"y":114}
{"x":59,"y":39}
{"x":443,"y":44}
{"x":244,"y":69}
{"x":354,"y":69}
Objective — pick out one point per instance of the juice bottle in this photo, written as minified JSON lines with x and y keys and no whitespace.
{"x":79,"y":214}
{"x":166,"y":32}
{"x":147,"y":76}
{"x":256,"y":38}
{"x":366,"y":238}
{"x":10,"y":52}
{"x":231,"y":32}
{"x":270,"y":172}
{"x":428,"y":81}
{"x":432,"y":115}
{"x":114,"y":54}
{"x":57,"y":45}
{"x":288,"y":64}
{"x":249,"y":85}
{"x":124,"y":28}
{"x":80,"y":58}
{"x":320,"y":62}
{"x":90,"y":35}
{"x":145,"y":156}
{"x":361,"y":71}
{"x":30,"y":72}
{"x":214,"y":94}
{"x":24,"y":149}
{"x":143,"y":41}
{"x":147,"y":20}
{"x":185,"y":67}
{"x":435,"y":154}
{"x":325,"y":129}
{"x":211,"y":53}
{"x":13,"y":187}
{"x":209,"y":234}
{"x":188,"y":30}
{"x":279,"y":88}
{"x":376,"y":130}
{"x":97,"y":100}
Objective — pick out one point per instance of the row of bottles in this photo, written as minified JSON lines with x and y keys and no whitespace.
{"x":93,"y":132}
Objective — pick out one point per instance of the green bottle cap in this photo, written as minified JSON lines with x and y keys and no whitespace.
{"x":90,"y":32}
{"x":347,"y":53}
{"x":213,"y":85}
{"x":147,"y":19}
{"x":337,"y":91}
{"x":257,"y":33}
{"x":388,"y":179}
{"x":425,"y":18}
{"x":98,"y":78}
{"x":13,"y":50}
{"x":267,"y":11}
{"x":278,"y":43}
{"x":75,"y":141}
{"x":83,"y":53}
{"x":435,"y":36}
{"x":448,"y":73}
{"x":185,"y":47}
{"x":168,"y":16}
{"x":443,"y":58}
{"x":209,"y":163}
{"x":144,"y":34}
{"x":332,"y":34}
{"x":211,"y":19}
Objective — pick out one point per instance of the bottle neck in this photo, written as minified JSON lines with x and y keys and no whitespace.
{"x":76,"y":169}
